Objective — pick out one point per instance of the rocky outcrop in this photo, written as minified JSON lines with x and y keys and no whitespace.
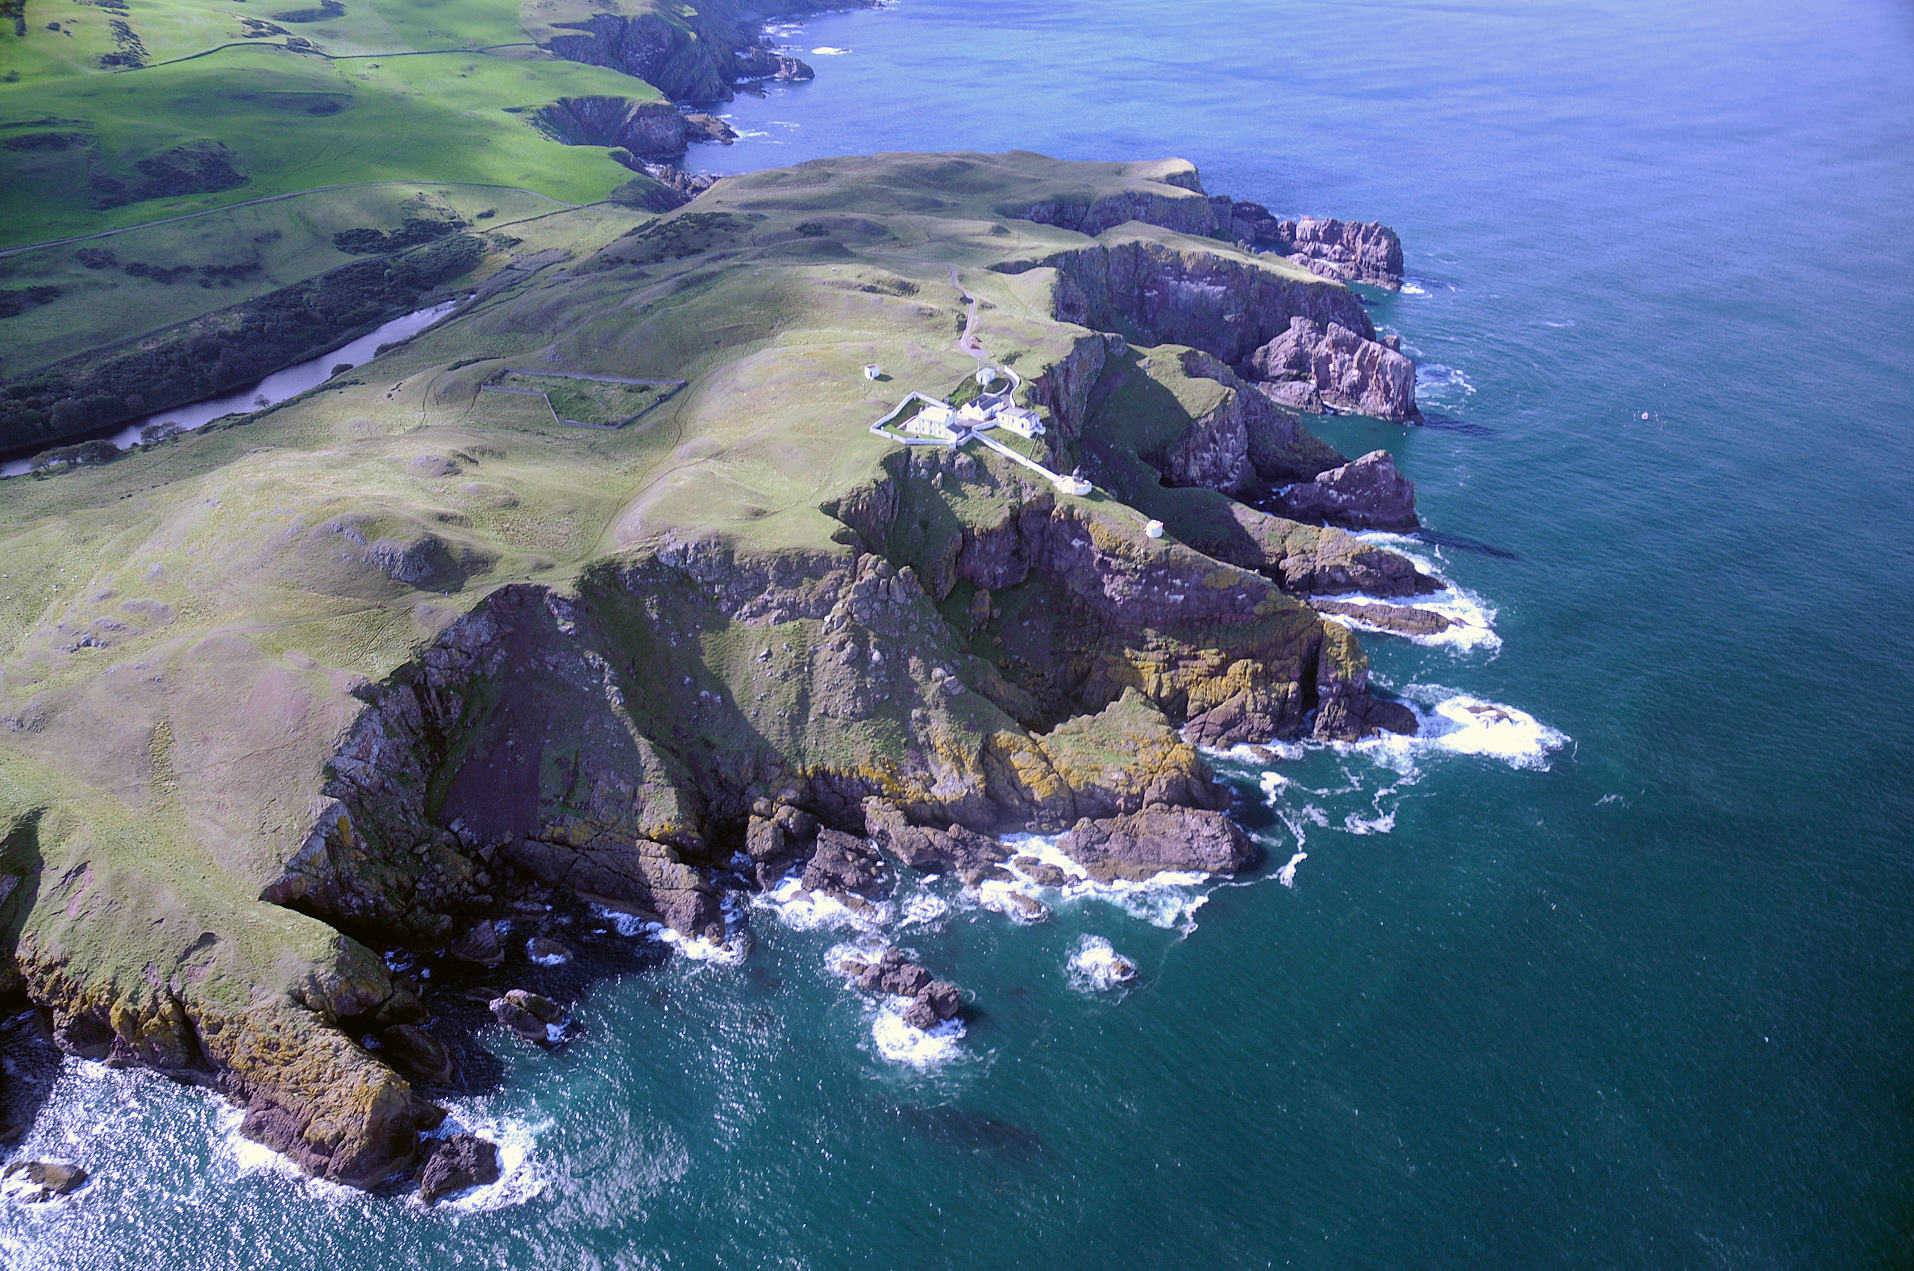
{"x":1346,"y":368}
{"x":455,"y":1163}
{"x":37,"y":1182}
{"x":1366,"y":493}
{"x":1158,"y":839}
{"x":845,"y":864}
{"x":932,"y":1001}
{"x":308,"y":1092}
{"x":1153,"y":292}
{"x":648,"y":130}
{"x":692,"y":55}
{"x":1349,"y":251}
{"x":1243,"y":442}
{"x":1312,"y":343}
{"x":528,"y":1014}
{"x":1407,"y":620}
{"x":1316,"y":560}
{"x":417,"y":1054}
{"x":1354,"y":251}
{"x":669,"y":55}
{"x":761,"y":62}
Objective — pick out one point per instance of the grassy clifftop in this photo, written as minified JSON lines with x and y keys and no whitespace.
{"x":740,"y":597}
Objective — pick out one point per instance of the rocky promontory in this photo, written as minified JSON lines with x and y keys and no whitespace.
{"x":695,"y":54}
{"x":1366,"y":493}
{"x":395,"y":665}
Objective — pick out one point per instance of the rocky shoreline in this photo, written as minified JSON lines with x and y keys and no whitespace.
{"x":692,"y":719}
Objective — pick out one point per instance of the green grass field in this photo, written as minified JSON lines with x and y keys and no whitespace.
{"x":294,"y":122}
{"x":595,"y":402}
{"x":231,"y":142}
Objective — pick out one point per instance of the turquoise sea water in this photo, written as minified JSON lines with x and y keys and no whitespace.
{"x":1640,"y":1000}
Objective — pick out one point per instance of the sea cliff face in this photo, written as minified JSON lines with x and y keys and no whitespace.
{"x":693,"y":54}
{"x":1313,"y":344}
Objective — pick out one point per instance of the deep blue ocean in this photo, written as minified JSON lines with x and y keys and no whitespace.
{"x":1622,"y":982}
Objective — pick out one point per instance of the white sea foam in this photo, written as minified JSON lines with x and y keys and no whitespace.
{"x":1413,"y":289}
{"x":924,"y":910}
{"x":519,"y":1175}
{"x":828,"y":51}
{"x":248,"y":1156}
{"x":1095,"y":967}
{"x":1168,"y":899}
{"x":866,"y":948}
{"x":1287,"y":874}
{"x":1445,"y":385}
{"x":1461,"y":724}
{"x":804,"y":910}
{"x":546,"y":959}
{"x":923,"y":1049}
{"x":1246,"y":754}
{"x":729,"y":953}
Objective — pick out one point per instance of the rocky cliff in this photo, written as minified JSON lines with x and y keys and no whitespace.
{"x":392,"y":663}
{"x":693,"y":54}
{"x":1313,"y":343}
{"x":656,"y":131}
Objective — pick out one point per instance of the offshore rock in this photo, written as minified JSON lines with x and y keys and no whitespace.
{"x":892,"y":973}
{"x":932,"y":1001}
{"x":1366,"y":493}
{"x":479,"y":945}
{"x":39,"y":1181}
{"x":526,"y":1014}
{"x":1348,"y":368}
{"x":1144,"y":844}
{"x":457,"y":1162}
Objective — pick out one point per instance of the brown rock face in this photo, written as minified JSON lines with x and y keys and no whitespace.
{"x":1354,"y":251}
{"x":1224,"y":304}
{"x":41,"y":1181}
{"x":1145,"y":844}
{"x":457,"y":1162}
{"x":845,"y":863}
{"x":416,"y":1053}
{"x":526,"y":1014}
{"x":1348,"y":369}
{"x":1366,"y":493}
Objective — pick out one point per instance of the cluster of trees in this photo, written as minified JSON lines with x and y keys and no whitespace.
{"x":415,"y":232}
{"x":224,"y":351}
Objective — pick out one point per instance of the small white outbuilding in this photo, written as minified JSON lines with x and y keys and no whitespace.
{"x":872,"y":371}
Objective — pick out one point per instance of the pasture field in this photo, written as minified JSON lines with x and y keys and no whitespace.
{"x":125,"y":284}
{"x":285,"y":121}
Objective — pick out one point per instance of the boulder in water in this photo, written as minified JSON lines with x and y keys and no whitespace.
{"x":38,"y":1181}
{"x":526,"y":1014}
{"x":457,"y":1162}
